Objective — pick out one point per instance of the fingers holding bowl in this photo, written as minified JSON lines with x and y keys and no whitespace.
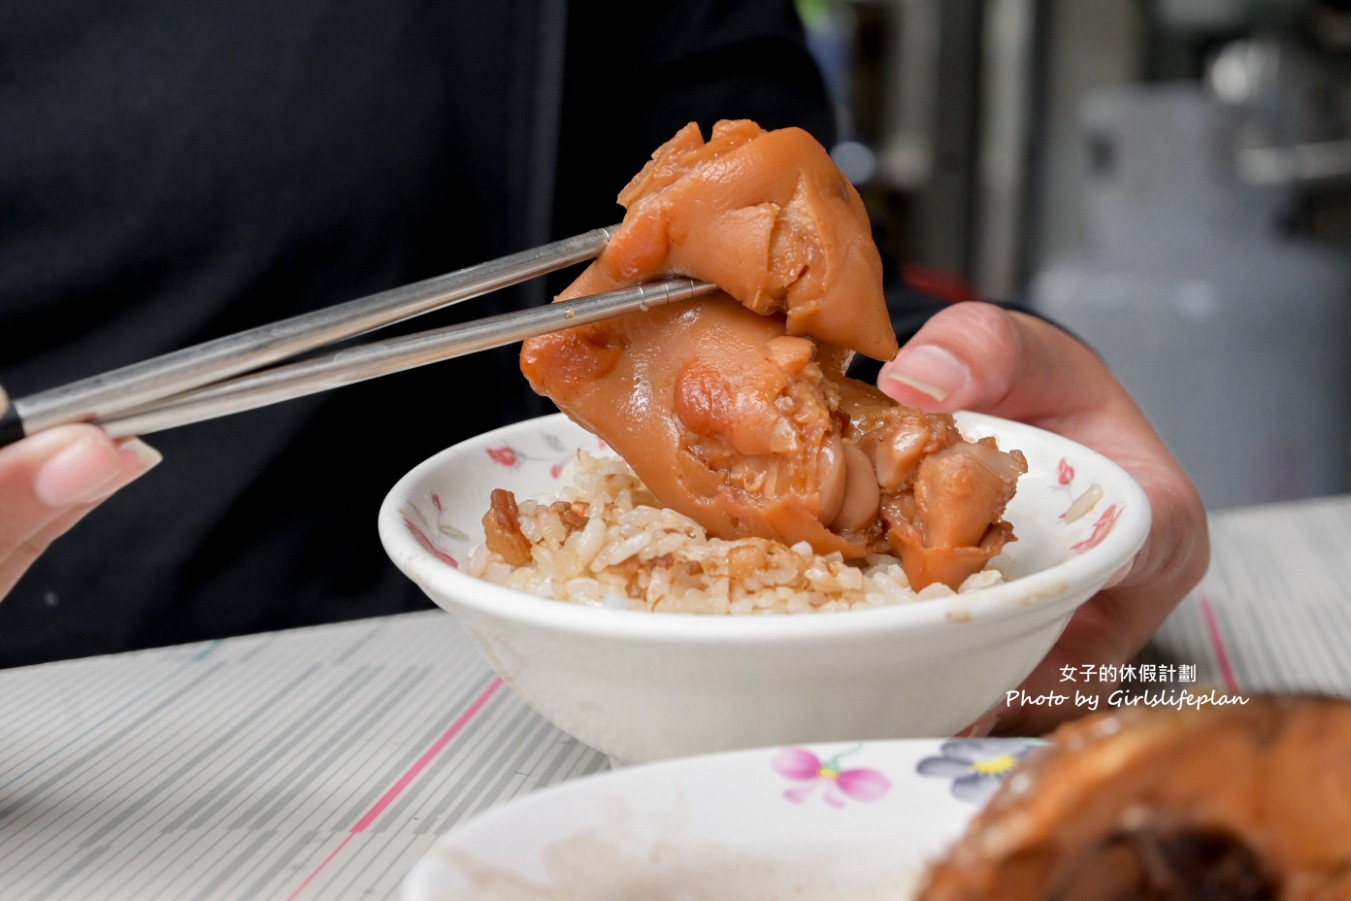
{"x":982,"y":357}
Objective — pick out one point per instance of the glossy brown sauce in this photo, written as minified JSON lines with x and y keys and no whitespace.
{"x":1235,"y":802}
{"x":734,"y":409}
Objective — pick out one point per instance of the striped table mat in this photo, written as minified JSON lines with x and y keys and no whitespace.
{"x":322,"y":763}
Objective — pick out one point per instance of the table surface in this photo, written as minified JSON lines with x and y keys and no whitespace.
{"x":322,"y":763}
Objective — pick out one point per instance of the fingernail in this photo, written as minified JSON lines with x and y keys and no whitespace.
{"x":981,"y":727}
{"x":78,"y":473}
{"x":928,"y":369}
{"x":138,"y":458}
{"x":142,"y":456}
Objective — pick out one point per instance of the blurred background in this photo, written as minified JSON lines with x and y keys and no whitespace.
{"x":1169,"y":179}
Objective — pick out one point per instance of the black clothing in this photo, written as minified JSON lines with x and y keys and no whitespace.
{"x":173,"y":172}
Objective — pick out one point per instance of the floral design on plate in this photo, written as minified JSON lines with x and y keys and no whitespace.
{"x":835,"y":782}
{"x":976,"y":766}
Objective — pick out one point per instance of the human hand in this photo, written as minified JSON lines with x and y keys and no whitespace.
{"x":50,"y":480}
{"x":981,"y":357}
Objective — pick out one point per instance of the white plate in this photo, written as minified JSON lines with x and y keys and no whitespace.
{"x":825,"y":821}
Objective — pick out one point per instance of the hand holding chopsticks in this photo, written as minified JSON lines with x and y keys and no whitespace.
{"x":227,"y":375}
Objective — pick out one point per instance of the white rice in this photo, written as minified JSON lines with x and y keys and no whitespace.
{"x":603,"y":540}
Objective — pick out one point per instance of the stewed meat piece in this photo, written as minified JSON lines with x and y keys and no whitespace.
{"x":735,"y":409}
{"x":1225,"y":803}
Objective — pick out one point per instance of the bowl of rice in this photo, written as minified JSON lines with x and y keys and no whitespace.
{"x":629,"y":628}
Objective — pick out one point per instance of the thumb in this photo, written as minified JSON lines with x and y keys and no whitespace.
{"x":982,"y":357}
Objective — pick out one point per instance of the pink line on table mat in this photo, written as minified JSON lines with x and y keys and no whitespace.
{"x":403,"y":782}
{"x":1217,"y":642}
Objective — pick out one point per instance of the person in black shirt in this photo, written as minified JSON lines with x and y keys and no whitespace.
{"x":172,"y":173}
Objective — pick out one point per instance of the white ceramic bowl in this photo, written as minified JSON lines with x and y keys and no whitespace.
{"x":643,"y":686}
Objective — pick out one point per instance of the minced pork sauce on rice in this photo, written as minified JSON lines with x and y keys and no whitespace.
{"x":603,"y":540}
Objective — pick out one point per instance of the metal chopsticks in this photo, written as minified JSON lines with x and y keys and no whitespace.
{"x":102,"y":397}
{"x":226,"y":375}
{"x":367,"y":361}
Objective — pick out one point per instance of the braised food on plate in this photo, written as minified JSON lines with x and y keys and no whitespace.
{"x":1232,"y":803}
{"x":734,"y":411}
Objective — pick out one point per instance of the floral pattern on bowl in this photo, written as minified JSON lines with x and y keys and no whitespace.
{"x":604,"y":676}
{"x":538,"y":459}
{"x":449,"y":535}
